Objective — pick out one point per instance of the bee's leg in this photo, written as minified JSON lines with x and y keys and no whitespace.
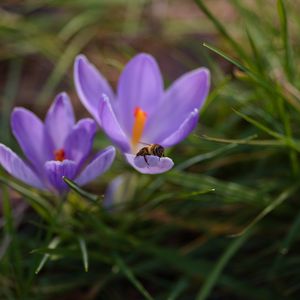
{"x":146,"y":160}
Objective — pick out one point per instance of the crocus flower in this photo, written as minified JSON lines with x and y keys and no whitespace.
{"x":56,"y":148}
{"x":141,"y":112}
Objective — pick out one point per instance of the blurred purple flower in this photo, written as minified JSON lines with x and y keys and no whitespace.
{"x":57,"y":148}
{"x":142,"y":112}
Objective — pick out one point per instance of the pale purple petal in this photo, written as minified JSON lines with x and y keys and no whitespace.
{"x":60,"y":120}
{"x":111,"y":125}
{"x":155,"y":164}
{"x":100,"y":164}
{"x":15,"y":166}
{"x":185,"y":94}
{"x":140,"y":85}
{"x":183,"y":131}
{"x":114,"y":192}
{"x":55,"y":170}
{"x":30,"y":134}
{"x":90,"y":85}
{"x":79,"y":142}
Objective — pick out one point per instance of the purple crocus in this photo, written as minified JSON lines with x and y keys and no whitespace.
{"x":56,"y":148}
{"x":142,"y":112}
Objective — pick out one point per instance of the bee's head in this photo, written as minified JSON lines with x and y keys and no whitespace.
{"x":160,"y":151}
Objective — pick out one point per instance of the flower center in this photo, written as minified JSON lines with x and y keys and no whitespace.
{"x":140,"y":118}
{"x":59,"y":155}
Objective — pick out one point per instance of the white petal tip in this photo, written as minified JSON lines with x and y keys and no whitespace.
{"x":149,"y":164}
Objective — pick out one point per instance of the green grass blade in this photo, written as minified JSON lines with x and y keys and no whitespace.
{"x":258,"y":59}
{"x":226,"y":57}
{"x":179,"y":287}
{"x":289,"y":63}
{"x":259,"y":125}
{"x":292,"y":234}
{"x":220,"y":27}
{"x":12,"y":243}
{"x":213,"y":277}
{"x":79,"y":191}
{"x":85,"y":257}
{"x":10,"y":92}
{"x":130,"y":276}
{"x":202,"y":157}
{"x":53,"y":244}
{"x":41,"y":205}
{"x":275,"y":143}
{"x":278,"y":201}
{"x":64,"y":62}
{"x":286,"y":245}
{"x":230,"y":191}
{"x":7,"y":212}
{"x":288,"y":141}
{"x":257,"y":78}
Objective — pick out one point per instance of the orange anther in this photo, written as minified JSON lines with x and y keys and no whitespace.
{"x":59,"y":154}
{"x":140,"y":118}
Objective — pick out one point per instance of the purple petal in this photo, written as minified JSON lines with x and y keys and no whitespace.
{"x":114,"y":192}
{"x":90,"y":85}
{"x":140,"y":85}
{"x":183,"y":131}
{"x":155,"y":164}
{"x":186,"y":93}
{"x":60,"y":120}
{"x":111,"y":125}
{"x":97,"y":166}
{"x":55,"y":170}
{"x":79,"y":142}
{"x":15,"y":166}
{"x":29,"y":132}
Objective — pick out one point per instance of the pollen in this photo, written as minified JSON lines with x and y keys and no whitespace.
{"x":140,"y":118}
{"x":59,"y":155}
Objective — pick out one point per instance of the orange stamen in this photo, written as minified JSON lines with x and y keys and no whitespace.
{"x":140,"y":118}
{"x":59,"y":154}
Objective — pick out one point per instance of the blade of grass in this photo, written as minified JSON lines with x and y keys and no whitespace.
{"x":260,"y":81}
{"x":226,"y":57}
{"x":202,"y":157}
{"x":200,"y":267}
{"x":256,"y":53}
{"x":79,"y":191}
{"x":130,"y":276}
{"x":79,"y":22}
{"x":214,"y":275}
{"x":288,"y":141}
{"x":220,"y":28}
{"x":53,"y":244}
{"x":230,"y":192}
{"x":215,"y":92}
{"x":245,"y":142}
{"x":278,"y":201}
{"x":14,"y":249}
{"x":40,"y":204}
{"x":179,"y":287}
{"x":289,"y":67}
{"x":9,"y":95}
{"x":65,"y":61}
{"x":292,"y":234}
{"x":289,"y":63}
{"x":84,"y":253}
{"x":286,"y":244}
{"x":288,"y":131}
{"x":176,"y":197}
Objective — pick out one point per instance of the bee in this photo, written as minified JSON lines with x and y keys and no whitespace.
{"x":151,"y":149}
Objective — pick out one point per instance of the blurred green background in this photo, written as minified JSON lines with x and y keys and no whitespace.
{"x":224,"y":223}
